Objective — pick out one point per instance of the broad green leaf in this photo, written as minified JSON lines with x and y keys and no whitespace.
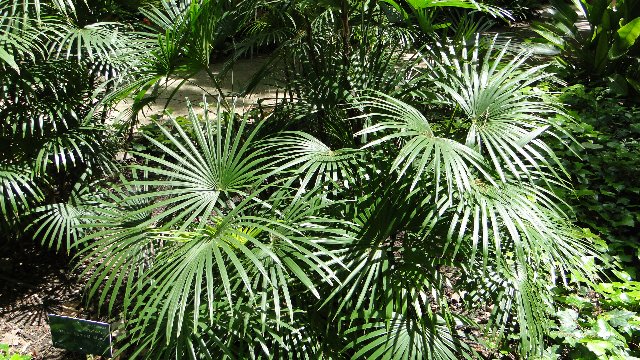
{"x":627,"y":37}
{"x":568,"y":320}
{"x":602,"y":52}
{"x":598,"y":347}
{"x":9,"y":59}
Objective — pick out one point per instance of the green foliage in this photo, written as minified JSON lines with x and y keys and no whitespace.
{"x":7,"y":354}
{"x":58,"y":63}
{"x":142,"y":140}
{"x":52,"y":73}
{"x":602,"y":322}
{"x":609,"y":49}
{"x":336,"y":224}
{"x":603,"y":325}
{"x":425,"y":14}
{"x":183,"y":38}
{"x":520,"y":9}
{"x":605,"y":166}
{"x":343,"y":220}
{"x":625,"y":294}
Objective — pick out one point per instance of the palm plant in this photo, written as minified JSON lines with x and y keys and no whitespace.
{"x":211,"y":224}
{"x":183,"y":38}
{"x":241,"y":242}
{"x":327,"y":51}
{"x":54,"y":74}
{"x":392,"y":184}
{"x":491,"y":179}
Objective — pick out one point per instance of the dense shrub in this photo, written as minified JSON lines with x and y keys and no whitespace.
{"x":605,"y":168}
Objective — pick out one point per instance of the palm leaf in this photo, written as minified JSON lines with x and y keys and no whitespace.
{"x":59,"y":225}
{"x":74,"y":147}
{"x":116,"y":244}
{"x":506,"y":121}
{"x":204,"y":172}
{"x":402,"y":337}
{"x":19,"y":38}
{"x":313,"y":162}
{"x":253,"y":251}
{"x":19,"y":190}
{"x":425,"y":153}
{"x":505,"y":216}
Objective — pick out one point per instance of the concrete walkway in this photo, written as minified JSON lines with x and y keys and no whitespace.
{"x":201,"y":85}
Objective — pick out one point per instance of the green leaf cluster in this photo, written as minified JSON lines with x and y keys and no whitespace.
{"x":56,"y":65}
{"x":339,"y":222}
{"x":7,"y":354}
{"x":608,"y":49}
{"x":604,"y":165}
{"x":602,"y":322}
{"x":335,"y":235}
{"x":603,"y":325}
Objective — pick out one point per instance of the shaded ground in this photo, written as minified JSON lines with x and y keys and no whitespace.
{"x":34,"y":283}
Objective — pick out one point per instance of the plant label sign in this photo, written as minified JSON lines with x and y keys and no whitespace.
{"x":84,"y":336}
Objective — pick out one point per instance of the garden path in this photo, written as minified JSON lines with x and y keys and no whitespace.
{"x":201,"y":84}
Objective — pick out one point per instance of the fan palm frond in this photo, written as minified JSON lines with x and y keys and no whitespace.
{"x":116,"y":243}
{"x":203,"y":172}
{"x":526,"y":248}
{"x":494,"y":217}
{"x":19,"y":37}
{"x":512,"y":222}
{"x":74,"y":147}
{"x":37,"y":103}
{"x":210,"y":232}
{"x":424,"y":152}
{"x":506,"y":119}
{"x":19,"y":190}
{"x":314,"y":162}
{"x":242,"y":258}
{"x":277,"y":258}
{"x":94,"y":42}
{"x":401,"y":337}
{"x":59,"y":225}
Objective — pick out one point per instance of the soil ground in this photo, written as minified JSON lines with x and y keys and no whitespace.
{"x":34,"y":283}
